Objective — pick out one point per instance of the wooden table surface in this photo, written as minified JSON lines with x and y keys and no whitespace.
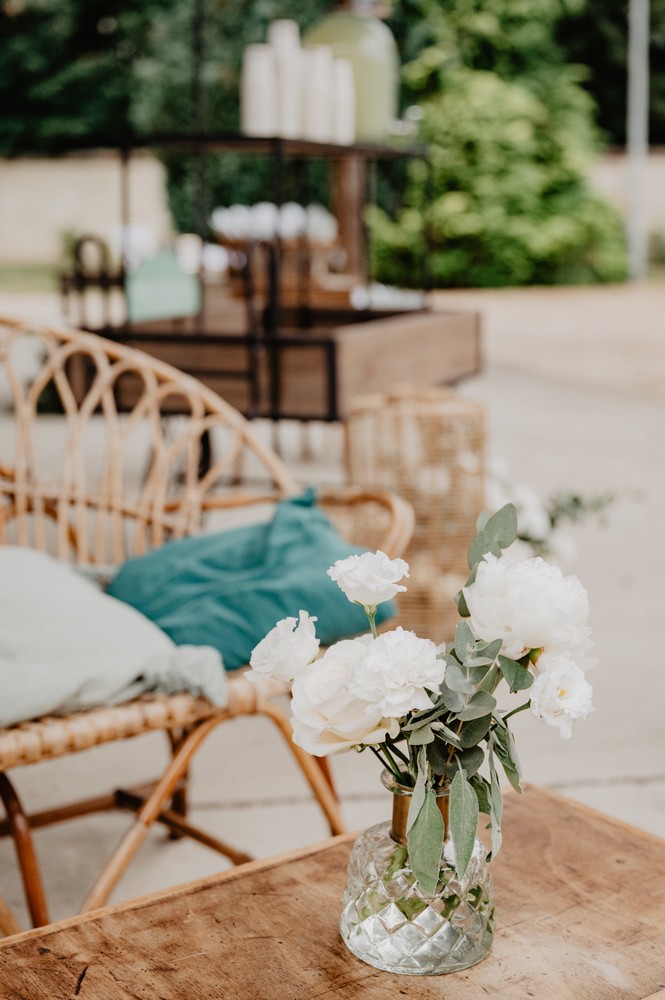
{"x":581,"y":916}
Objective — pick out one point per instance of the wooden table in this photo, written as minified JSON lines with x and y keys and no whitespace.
{"x":581,"y":916}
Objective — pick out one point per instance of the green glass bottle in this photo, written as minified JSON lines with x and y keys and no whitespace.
{"x":370,"y":47}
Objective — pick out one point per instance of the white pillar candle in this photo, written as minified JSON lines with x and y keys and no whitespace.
{"x":343,"y":102}
{"x":317,"y":84}
{"x":258,"y":91}
{"x":284,"y":37}
{"x":284,"y":34}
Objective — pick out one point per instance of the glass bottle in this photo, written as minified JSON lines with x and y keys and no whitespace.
{"x":370,"y":47}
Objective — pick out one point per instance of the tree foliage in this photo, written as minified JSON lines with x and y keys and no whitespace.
{"x":67,"y":70}
{"x":512,"y":134}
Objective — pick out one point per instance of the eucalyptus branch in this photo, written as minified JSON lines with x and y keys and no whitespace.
{"x":514,"y":711}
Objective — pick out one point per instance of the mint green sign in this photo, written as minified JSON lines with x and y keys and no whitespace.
{"x":158,"y":289}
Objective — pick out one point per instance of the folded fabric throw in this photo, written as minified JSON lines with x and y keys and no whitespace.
{"x":66,"y":646}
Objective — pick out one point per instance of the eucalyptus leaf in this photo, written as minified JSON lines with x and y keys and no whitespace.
{"x":460,"y":601}
{"x":476,"y":674}
{"x":482,"y":520}
{"x":445,"y":733}
{"x":397,"y":861}
{"x":481,"y":703}
{"x":425,"y":843}
{"x":477,"y":661}
{"x":464,"y":641}
{"x":517,"y":676}
{"x":490,"y":649}
{"x":496,"y":802}
{"x":481,"y":787}
{"x":490,"y":680}
{"x":470,"y":761}
{"x":419,"y":790}
{"x":503,"y":525}
{"x":438,"y":754}
{"x":418,"y":719}
{"x":511,"y":773}
{"x":456,"y":679}
{"x":453,"y":700}
{"x":420,"y":737}
{"x":498,"y":533}
{"x":474,"y":731}
{"x":463,"y":821}
{"x":506,"y":751}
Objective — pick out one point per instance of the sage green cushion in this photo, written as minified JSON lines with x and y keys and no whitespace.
{"x":228,"y":589}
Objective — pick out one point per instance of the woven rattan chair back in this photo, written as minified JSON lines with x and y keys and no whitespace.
{"x":104,"y":449}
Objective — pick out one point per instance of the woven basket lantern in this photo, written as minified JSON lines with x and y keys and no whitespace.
{"x":428,"y":446}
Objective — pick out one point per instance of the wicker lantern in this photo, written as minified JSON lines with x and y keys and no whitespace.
{"x":428,"y":446}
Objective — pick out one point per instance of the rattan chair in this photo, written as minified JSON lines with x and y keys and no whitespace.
{"x":87,"y":500}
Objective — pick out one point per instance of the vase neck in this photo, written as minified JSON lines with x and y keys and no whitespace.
{"x":401,"y":803}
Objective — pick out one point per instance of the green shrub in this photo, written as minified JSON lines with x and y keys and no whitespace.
{"x":510,"y":146}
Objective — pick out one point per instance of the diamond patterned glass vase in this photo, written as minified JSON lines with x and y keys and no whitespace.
{"x":390,"y":923}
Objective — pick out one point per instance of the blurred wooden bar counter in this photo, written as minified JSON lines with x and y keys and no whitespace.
{"x":580,"y":904}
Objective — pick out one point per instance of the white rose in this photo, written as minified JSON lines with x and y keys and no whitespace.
{"x":286,"y":650}
{"x":370,"y":578}
{"x":530,"y":605}
{"x":327,"y":718}
{"x":560,"y":693}
{"x":396,"y":673}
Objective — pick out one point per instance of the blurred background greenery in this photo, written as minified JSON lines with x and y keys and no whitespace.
{"x":517,"y":96}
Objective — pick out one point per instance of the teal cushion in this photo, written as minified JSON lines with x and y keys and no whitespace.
{"x":228,"y":589}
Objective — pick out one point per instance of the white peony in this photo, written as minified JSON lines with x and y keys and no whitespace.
{"x":530,"y":605}
{"x":560,"y":693}
{"x":370,"y":578}
{"x":396,"y":673}
{"x":286,"y":650}
{"x":327,"y":718}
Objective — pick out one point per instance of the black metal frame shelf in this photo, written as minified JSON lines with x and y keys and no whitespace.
{"x":266,"y":335}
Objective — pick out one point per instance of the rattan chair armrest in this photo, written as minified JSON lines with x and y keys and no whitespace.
{"x":402,"y":518}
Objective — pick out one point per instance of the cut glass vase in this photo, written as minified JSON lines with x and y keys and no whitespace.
{"x":388,"y":920}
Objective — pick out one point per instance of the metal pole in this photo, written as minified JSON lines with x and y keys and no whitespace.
{"x":637,"y":130}
{"x":199,"y":108}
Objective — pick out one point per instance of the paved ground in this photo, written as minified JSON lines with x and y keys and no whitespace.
{"x":575,"y":392}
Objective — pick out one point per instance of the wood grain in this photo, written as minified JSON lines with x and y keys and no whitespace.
{"x":580,"y":902}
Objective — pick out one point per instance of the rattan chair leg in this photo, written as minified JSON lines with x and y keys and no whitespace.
{"x":310,"y":767}
{"x":148,"y":814}
{"x":25,"y":852}
{"x":163,"y":790}
{"x":8,"y":922}
{"x":324,"y":764}
{"x":180,"y":800}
